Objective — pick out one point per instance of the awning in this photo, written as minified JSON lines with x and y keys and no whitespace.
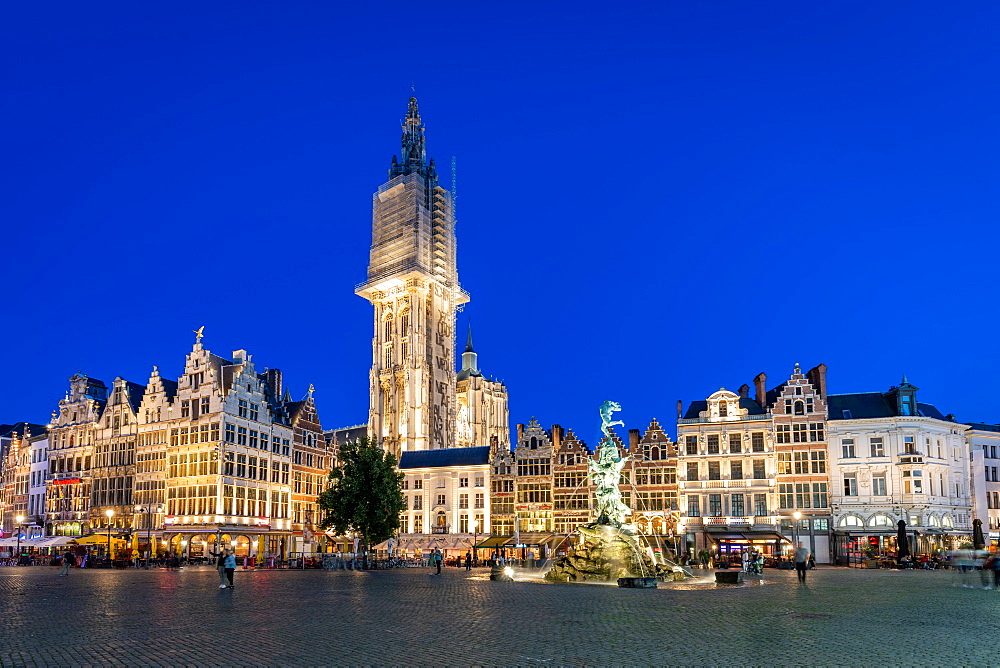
{"x":533,"y":540}
{"x":719,"y":537}
{"x":55,"y":541}
{"x":94,"y":539}
{"x":494,"y":541}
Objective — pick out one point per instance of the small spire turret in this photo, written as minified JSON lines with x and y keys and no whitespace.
{"x":413,"y":157}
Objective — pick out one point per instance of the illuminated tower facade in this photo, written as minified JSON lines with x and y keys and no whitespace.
{"x":413,"y":288}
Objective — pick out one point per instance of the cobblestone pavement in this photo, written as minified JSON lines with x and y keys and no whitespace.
{"x":840,"y":617}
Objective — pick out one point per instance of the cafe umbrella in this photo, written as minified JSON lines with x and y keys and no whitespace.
{"x":978,"y":539}
{"x":902,"y":544}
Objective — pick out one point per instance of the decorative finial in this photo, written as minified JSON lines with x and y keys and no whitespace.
{"x":199,"y":333}
{"x":311,"y":389}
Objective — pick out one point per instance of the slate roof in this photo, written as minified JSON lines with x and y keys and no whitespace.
{"x":864,"y":405}
{"x":7,"y":430}
{"x":445,"y":457}
{"x":135,"y":392}
{"x":982,"y":426}
{"x":695,"y":407}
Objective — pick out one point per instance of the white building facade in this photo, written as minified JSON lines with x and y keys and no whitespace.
{"x":892,"y":458}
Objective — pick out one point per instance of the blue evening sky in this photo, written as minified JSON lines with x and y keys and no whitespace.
{"x":655,"y":199}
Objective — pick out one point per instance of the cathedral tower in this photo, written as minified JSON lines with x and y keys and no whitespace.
{"x":413,"y":286}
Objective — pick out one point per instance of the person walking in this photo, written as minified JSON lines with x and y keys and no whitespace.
{"x":229,"y":566}
{"x":801,"y":559}
{"x":468,"y":560}
{"x":220,"y":558}
{"x":68,"y":560}
{"x":995,"y":565}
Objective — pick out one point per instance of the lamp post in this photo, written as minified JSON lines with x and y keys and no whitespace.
{"x":475,"y":536}
{"x":20,"y":519}
{"x":110,"y":513}
{"x":795,"y":530}
{"x":148,"y":509}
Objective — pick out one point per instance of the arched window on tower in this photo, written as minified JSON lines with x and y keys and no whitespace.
{"x":404,"y":323}
{"x":388,"y":326}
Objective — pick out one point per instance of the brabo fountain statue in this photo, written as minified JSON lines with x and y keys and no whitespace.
{"x":607,"y":549}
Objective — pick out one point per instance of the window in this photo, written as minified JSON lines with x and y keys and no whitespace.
{"x":463,"y":501}
{"x":254,"y":411}
{"x":480,"y":501}
{"x":463,"y":481}
{"x":418,"y":502}
{"x":788,"y":406}
{"x":694,"y":509}
{"x":820,"y":495}
{"x":802,"y":463}
{"x":735,"y":443}
{"x":441,"y":500}
{"x":802,"y":495}
{"x":757,"y":441}
{"x":735,"y":470}
{"x":205,"y":405}
{"x":878,"y":448}
{"x":713,"y":444}
{"x":479,"y":481}
{"x":242,"y":410}
{"x":800,"y":408}
{"x":714,"y":472}
{"x":758,"y":469}
{"x":692,"y":471}
{"x":784,"y":464}
{"x":847,"y":447}
{"x":786,"y":495}
{"x":736,"y":501}
{"x":784,"y":433}
{"x":418,"y":523}
{"x":760,"y":505}
{"x":816,"y":432}
{"x":878,"y":485}
{"x":850,"y":484}
{"x":799,"y":433}
{"x":418,"y":484}
{"x":723,"y":409}
{"x":185,"y":408}
{"x":909,"y":446}
{"x":691,"y":445}
{"x":809,"y":405}
{"x":818,"y":460}
{"x":715,"y":505}
{"x":850,"y":521}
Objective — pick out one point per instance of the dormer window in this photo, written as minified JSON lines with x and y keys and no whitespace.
{"x":798,"y":391}
{"x":723,"y":409}
{"x":800,"y":408}
{"x":809,"y":405}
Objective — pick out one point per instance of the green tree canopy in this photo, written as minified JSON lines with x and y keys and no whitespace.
{"x":366,"y":495}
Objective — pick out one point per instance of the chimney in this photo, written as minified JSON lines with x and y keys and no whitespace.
{"x":557,"y":434}
{"x":680,"y":409}
{"x":817,"y":376}
{"x":273,"y":377}
{"x":744,"y":391}
{"x":633,"y":440}
{"x":760,"y":384}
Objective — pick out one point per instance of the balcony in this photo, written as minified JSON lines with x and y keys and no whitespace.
{"x":442,"y":529}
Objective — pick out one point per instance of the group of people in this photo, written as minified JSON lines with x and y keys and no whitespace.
{"x":966,"y":561}
{"x":225,"y":563}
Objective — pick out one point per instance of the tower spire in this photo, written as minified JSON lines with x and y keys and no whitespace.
{"x":413,"y":156}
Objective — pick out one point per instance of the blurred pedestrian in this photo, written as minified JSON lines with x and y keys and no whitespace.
{"x":68,"y":561}
{"x":468,"y":560}
{"x":229,"y":566}
{"x":801,"y":559}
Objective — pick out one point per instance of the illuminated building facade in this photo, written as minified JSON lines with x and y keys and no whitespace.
{"x":415,"y":399}
{"x":984,"y":445}
{"x":894,"y":458}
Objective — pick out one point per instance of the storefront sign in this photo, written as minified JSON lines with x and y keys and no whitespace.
{"x":66,"y":481}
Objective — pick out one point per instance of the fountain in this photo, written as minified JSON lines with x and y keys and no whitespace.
{"x":607,"y":549}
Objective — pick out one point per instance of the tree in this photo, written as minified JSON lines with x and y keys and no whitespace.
{"x":366,"y":496}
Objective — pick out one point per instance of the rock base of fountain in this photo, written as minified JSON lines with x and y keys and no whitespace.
{"x":604,"y":553}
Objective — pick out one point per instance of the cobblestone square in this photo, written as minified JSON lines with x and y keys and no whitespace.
{"x":408,"y":617}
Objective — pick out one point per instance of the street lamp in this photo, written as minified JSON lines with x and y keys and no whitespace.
{"x":148,"y":509}
{"x":795,"y":530}
{"x":110,"y":513}
{"x":20,"y":519}
{"x":475,"y":535}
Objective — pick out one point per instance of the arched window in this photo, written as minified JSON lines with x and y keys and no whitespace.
{"x":850,"y":521}
{"x":404,"y":323}
{"x":533,"y":443}
{"x":71,"y":440}
{"x":723,"y":409}
{"x":654,"y":453}
{"x":388,"y":326}
{"x":880,"y":521}
{"x":947,"y":522}
{"x":933,"y":521}
{"x":800,"y":408}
